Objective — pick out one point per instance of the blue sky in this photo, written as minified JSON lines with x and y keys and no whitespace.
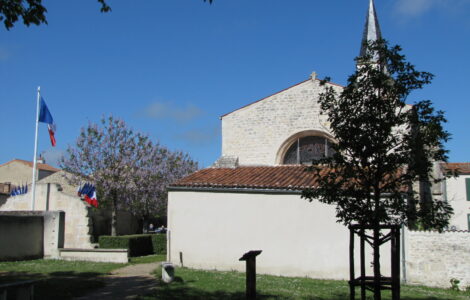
{"x":171,"y":68}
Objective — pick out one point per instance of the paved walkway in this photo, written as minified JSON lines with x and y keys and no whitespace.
{"x":126,"y":283}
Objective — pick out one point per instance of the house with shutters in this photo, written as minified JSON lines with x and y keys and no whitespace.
{"x":456,"y":191}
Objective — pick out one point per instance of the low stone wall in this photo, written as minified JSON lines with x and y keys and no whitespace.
{"x":97,"y":255}
{"x":433,"y":258}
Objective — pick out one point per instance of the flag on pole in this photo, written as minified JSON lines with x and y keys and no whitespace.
{"x":88,"y":191}
{"x":46,"y":117}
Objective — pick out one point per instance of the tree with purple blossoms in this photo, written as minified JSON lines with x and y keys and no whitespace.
{"x":129,"y":170}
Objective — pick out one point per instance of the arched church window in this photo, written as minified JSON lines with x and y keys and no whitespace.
{"x":307,"y":149}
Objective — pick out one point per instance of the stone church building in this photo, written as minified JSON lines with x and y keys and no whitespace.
{"x":250,"y":198}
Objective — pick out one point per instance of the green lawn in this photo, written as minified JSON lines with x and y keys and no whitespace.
{"x":211,"y":285}
{"x":147,"y":259}
{"x":67,"y":279}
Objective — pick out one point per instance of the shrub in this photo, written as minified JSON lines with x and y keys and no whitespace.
{"x":137,"y":244}
{"x":159,"y":243}
{"x":454,"y":284}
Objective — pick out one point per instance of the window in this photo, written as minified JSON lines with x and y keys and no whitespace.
{"x":467,"y":186}
{"x":307,"y":149}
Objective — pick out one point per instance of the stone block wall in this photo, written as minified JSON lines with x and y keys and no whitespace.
{"x":255,"y":133}
{"x":433,"y":258}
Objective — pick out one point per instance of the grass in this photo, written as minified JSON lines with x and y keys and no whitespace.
{"x":66,"y":279}
{"x":60,"y":279}
{"x":147,"y":259}
{"x":212,"y":285}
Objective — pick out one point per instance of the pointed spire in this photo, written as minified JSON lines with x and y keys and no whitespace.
{"x":371,"y":29}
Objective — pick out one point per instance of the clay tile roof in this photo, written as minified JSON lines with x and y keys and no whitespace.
{"x":459,"y":168}
{"x":39,"y":166}
{"x":292,"y":177}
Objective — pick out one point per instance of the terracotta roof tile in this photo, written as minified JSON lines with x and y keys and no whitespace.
{"x":44,"y":167}
{"x":292,"y":177}
{"x":287,"y":177}
{"x":460,"y":168}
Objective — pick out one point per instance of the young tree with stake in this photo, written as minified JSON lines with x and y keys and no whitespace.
{"x":383,"y":148}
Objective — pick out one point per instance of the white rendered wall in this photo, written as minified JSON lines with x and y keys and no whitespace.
{"x":457,"y":197}
{"x":298,"y":238}
{"x":256,"y":132}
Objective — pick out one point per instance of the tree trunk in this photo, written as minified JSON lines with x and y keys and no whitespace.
{"x":145,"y":223}
{"x":376,"y":226}
{"x":377,"y":279}
{"x":114,"y":217}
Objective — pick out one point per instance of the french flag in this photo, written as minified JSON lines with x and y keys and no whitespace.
{"x":89,"y":192}
{"x":46,"y":117}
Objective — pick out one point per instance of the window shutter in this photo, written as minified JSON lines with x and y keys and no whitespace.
{"x":467,"y":185}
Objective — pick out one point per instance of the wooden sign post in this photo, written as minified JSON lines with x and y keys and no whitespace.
{"x":250,"y":258}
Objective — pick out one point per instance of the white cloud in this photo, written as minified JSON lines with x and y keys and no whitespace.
{"x":412,"y":8}
{"x":200,"y":137}
{"x":165,"y":110}
{"x":415,"y":7}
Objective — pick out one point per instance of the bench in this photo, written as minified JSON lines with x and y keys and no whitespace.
{"x":22,"y":290}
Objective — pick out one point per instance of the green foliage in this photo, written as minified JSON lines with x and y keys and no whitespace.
{"x":383,"y":146}
{"x":136,"y":244}
{"x":31,"y":11}
{"x":159,"y":243}
{"x":454,"y":284}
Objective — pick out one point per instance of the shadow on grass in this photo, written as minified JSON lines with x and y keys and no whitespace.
{"x":57,"y":285}
{"x":180,"y":289}
{"x":128,"y":287}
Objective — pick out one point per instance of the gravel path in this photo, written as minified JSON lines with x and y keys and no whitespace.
{"x":126,"y":283}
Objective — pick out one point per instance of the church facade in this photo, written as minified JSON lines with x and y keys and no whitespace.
{"x":275,"y":130}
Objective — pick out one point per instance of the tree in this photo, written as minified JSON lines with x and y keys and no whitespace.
{"x":383,"y":148}
{"x":152,"y":175}
{"x":32,"y":11}
{"x":129,"y":170}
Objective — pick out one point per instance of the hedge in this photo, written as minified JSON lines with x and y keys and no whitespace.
{"x":137,"y":244}
{"x":159,"y":243}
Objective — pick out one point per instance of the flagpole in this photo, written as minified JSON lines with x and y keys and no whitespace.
{"x":33,"y":189}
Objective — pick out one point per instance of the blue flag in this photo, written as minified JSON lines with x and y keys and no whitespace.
{"x":44,"y":113}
